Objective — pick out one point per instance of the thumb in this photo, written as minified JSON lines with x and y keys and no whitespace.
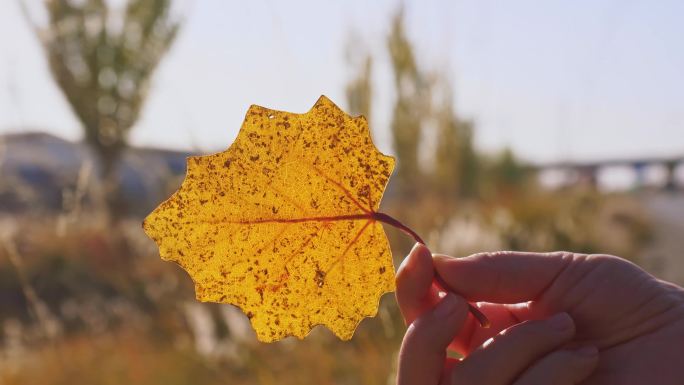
{"x":423,"y":352}
{"x":502,"y":277}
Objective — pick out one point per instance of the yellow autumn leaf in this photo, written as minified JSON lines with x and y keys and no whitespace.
{"x":284,"y":223}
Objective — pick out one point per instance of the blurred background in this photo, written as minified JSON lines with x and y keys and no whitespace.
{"x":529,"y":125}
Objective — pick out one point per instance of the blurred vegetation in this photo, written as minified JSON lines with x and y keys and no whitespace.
{"x":495,"y":197}
{"x":88,"y":305}
{"x":116,"y":314}
{"x":410,"y":108}
{"x":103,"y":59}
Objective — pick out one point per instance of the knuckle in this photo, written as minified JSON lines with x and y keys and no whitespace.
{"x":415,"y":335}
{"x":410,"y":334}
{"x":566,"y":255}
{"x":415,"y":330}
{"x":486,"y":258}
{"x":606,"y":259}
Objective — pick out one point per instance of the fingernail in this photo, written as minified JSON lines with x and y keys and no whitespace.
{"x":447,"y":305}
{"x":586,"y":351}
{"x":561,"y":322}
{"x":408,"y":257}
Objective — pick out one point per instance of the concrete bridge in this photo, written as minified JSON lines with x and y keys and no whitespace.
{"x":670,"y":172}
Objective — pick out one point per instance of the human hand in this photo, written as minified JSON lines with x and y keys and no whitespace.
{"x":635,"y":321}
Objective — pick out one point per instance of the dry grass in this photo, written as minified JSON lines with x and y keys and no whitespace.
{"x":125,"y":317}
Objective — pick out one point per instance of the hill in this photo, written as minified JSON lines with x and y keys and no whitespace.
{"x":38,"y":171}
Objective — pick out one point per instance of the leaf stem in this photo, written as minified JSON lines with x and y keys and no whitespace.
{"x":385,"y":218}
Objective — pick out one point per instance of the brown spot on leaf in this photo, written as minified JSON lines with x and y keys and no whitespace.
{"x":319,"y":278}
{"x":278,"y":222}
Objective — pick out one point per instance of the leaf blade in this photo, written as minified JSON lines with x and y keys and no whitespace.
{"x":278,"y":224}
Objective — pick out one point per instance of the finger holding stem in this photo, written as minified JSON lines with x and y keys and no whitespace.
{"x":385,"y":218}
{"x":479,"y":316}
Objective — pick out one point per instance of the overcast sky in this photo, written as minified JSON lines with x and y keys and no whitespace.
{"x":551,"y":79}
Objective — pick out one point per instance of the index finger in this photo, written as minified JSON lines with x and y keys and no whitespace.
{"x":502,"y":277}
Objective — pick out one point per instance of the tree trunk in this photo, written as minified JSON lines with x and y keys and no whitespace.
{"x":115,"y":204}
